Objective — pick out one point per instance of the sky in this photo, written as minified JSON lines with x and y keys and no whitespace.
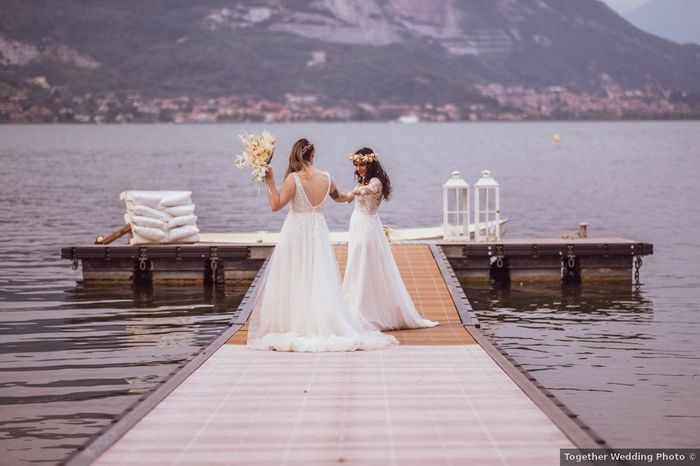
{"x":625,"y":6}
{"x":678,"y":21}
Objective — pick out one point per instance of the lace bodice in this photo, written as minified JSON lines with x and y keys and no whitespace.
{"x":368,"y":197}
{"x":300,"y":203}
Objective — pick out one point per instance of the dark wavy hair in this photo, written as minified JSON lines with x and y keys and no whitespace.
{"x":374,"y":170}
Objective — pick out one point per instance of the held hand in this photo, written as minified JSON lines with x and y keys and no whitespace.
{"x":268,"y":174}
{"x":351,"y":197}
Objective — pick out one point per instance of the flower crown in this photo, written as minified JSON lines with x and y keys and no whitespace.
{"x":364,"y":158}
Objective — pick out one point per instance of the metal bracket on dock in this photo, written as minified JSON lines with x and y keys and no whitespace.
{"x":637,"y":265}
{"x":637,"y":251}
{"x":571,"y":255}
{"x":214,"y":262}
{"x":143,"y":259}
{"x":570,"y":265}
{"x":74,"y":259}
{"x":499,"y":256}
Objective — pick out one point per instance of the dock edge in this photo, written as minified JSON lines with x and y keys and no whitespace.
{"x":566,"y":420}
{"x":110,"y":434}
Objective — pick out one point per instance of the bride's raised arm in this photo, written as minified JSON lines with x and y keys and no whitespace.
{"x":338,"y":196}
{"x":373,"y":187}
{"x":279,"y":199}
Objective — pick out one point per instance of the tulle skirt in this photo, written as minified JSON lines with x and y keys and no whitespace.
{"x":300,"y":307}
{"x":372,"y":287}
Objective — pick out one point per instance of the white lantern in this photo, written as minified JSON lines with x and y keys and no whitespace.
{"x":455,"y":207}
{"x":487,"y":208}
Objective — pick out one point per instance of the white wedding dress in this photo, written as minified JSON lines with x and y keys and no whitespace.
{"x":372,"y":287}
{"x":301,"y":307}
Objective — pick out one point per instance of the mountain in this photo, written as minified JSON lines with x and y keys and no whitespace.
{"x":375,"y":51}
{"x":676,"y":20}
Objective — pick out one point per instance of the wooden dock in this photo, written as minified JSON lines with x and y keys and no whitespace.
{"x":585,"y":260}
{"x":444,"y":396}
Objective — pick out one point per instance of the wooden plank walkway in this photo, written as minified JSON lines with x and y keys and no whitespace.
{"x":424,"y":282}
{"x":438,"y":398}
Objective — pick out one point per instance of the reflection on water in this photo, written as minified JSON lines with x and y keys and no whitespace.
{"x":81,"y":356}
{"x":598,"y":349}
{"x":554,"y":306}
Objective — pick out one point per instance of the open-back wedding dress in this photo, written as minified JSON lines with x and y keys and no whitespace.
{"x":372,"y":287}
{"x":301,"y":307}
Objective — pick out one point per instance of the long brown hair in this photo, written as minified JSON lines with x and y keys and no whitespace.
{"x":374,"y":170}
{"x":300,"y":156}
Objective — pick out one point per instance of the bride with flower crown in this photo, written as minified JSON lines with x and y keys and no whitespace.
{"x":372,"y":287}
{"x":300,"y":306}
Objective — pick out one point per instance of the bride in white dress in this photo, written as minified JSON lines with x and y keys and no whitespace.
{"x":300,"y":307}
{"x":372,"y":287}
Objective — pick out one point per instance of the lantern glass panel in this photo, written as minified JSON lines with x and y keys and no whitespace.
{"x":451,"y":200}
{"x":462,"y":221}
{"x":482,"y":200}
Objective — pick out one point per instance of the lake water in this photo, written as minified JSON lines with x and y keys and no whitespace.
{"x":625,"y":359}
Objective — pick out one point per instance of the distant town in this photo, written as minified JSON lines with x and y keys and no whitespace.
{"x":40,"y":102}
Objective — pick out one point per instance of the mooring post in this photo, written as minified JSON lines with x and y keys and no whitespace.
{"x":583,"y":230}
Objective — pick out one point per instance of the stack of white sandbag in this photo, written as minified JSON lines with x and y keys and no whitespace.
{"x":160,"y":216}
